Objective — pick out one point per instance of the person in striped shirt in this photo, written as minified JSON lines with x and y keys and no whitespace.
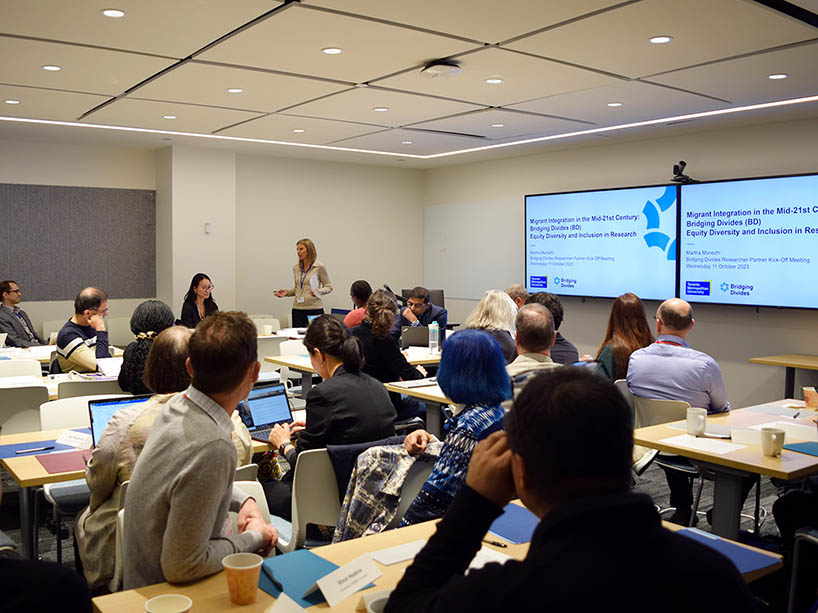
{"x":83,"y":339}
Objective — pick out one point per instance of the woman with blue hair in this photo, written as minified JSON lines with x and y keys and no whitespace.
{"x":472,"y":374}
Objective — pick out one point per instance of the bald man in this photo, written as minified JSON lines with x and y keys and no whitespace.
{"x":518,"y":294}
{"x":670,"y":369}
{"x":83,"y":339}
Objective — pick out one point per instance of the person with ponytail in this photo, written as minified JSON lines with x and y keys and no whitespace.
{"x":382,"y":356}
{"x":147,"y":321}
{"x":347,"y":407}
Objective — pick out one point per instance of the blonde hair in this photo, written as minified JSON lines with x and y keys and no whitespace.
{"x":496,"y":311}
{"x":312,"y":254}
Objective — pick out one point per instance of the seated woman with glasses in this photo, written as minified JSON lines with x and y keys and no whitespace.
{"x":198,"y":302}
{"x":472,"y":374}
{"x":348,"y":407}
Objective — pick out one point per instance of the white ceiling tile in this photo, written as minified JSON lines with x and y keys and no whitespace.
{"x":316,"y":131}
{"x":358,"y":104}
{"x":149,"y":114}
{"x":745,"y":80}
{"x":206,"y":84}
{"x":524,"y":77}
{"x":176,"y":28}
{"x":292,"y":40}
{"x":96,"y":71}
{"x":422,"y":143}
{"x":640,"y":101}
{"x":486,"y":21}
{"x":46,"y":103}
{"x":509,"y":124}
{"x":618,"y":41}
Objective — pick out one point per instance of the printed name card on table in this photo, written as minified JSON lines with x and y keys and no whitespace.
{"x":285,"y":604}
{"x":73,"y":438}
{"x":346,"y":580}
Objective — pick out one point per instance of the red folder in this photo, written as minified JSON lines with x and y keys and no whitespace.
{"x":66,"y":462}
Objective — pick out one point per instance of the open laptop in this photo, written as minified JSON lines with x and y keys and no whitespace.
{"x":266,"y":406}
{"x":101,"y":410}
{"x":414,"y":336}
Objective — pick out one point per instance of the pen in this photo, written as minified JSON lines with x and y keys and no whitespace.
{"x":495,"y":543}
{"x":34,"y":449}
{"x":796,"y":415}
{"x":269,"y":573}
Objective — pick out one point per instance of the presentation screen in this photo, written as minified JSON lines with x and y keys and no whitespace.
{"x":750,"y":242}
{"x":603,"y":243}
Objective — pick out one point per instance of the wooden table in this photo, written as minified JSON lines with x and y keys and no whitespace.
{"x":434,"y":398}
{"x":301,"y":363}
{"x":210,"y":594}
{"x":790,"y":361}
{"x":730,"y":468}
{"x":29,"y":473}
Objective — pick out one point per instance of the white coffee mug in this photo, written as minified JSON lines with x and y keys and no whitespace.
{"x":268,"y":329}
{"x":772,"y":442}
{"x":696,"y":421}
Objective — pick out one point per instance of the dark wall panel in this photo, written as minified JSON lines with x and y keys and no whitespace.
{"x":56,"y":240}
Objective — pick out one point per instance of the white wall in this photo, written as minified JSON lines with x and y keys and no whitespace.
{"x":366,"y":222}
{"x":74,"y":165}
{"x":730,"y":334}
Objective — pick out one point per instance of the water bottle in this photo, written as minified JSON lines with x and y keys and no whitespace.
{"x":434,"y":335}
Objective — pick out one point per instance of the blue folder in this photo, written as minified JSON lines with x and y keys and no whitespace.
{"x":807,"y":447}
{"x":516,"y":524}
{"x":746,"y":560}
{"x":296,"y":571}
{"x":9,"y":451}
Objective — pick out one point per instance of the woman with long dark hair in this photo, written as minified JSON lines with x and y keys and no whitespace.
{"x":198,"y":302}
{"x":310,"y":282}
{"x":627,"y":331}
{"x":147,"y":321}
{"x":347,"y":407}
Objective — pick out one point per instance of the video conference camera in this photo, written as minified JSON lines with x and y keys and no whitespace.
{"x":678,"y":173}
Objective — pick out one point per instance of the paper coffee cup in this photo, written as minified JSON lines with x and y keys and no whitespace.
{"x":810,"y":397}
{"x":241,"y":571}
{"x":169,"y":603}
{"x":268,"y":329}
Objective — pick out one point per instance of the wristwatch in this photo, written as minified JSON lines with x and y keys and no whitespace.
{"x":282,"y":447}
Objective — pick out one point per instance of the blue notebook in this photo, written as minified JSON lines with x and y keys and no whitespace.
{"x":516,"y":524}
{"x":808,"y":448}
{"x":10,"y":451}
{"x":746,"y":560}
{"x":296,"y":571}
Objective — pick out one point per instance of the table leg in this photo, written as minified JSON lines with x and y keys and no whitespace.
{"x":728,"y":498}
{"x":434,"y":418}
{"x":306,"y":384}
{"x":789,"y":382}
{"x":26,"y":523}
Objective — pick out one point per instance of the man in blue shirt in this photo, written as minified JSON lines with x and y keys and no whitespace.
{"x":670,"y":369}
{"x":421,"y":312}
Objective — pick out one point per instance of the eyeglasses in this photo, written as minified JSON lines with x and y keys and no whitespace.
{"x":416,"y":305}
{"x":207,"y":288}
{"x":14,"y":291}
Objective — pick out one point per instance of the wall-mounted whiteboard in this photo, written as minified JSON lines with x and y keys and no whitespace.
{"x":469,"y":247}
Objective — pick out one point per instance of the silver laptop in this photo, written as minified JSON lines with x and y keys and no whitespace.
{"x":266,"y":406}
{"x":101,"y":410}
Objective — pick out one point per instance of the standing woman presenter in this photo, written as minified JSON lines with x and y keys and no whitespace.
{"x":310,"y":282}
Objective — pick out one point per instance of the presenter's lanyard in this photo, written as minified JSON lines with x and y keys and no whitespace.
{"x":304,"y":275}
{"x":669,"y":343}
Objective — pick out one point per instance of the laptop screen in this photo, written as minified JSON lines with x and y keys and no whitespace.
{"x":266,"y":405}
{"x":102,"y":409}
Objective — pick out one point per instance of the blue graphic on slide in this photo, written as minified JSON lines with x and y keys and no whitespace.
{"x":660,"y":239}
{"x":538,"y":282}
{"x":697,"y":288}
{"x":724,"y":287}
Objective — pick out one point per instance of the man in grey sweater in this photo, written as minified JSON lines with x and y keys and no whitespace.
{"x":182,"y":485}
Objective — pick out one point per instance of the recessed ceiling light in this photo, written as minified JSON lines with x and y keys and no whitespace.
{"x":298,"y":130}
{"x":498,"y":125}
{"x":362,"y":85}
{"x":168,"y":116}
{"x":614,"y":104}
{"x":234,"y":90}
{"x":11,"y":101}
{"x":115,"y":13}
{"x":661,"y":40}
{"x":51,"y":68}
{"x":332,"y":50}
{"x":406,"y":142}
{"x":777,"y":76}
{"x":493,"y":81}
{"x":381,"y":109}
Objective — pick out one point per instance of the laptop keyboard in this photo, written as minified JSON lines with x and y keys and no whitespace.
{"x":261,"y":435}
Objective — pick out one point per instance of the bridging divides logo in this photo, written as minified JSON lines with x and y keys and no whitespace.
{"x":656,"y":238}
{"x":564,"y":283}
{"x":724,"y":287}
{"x":538,"y":282}
{"x":697,"y":288}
